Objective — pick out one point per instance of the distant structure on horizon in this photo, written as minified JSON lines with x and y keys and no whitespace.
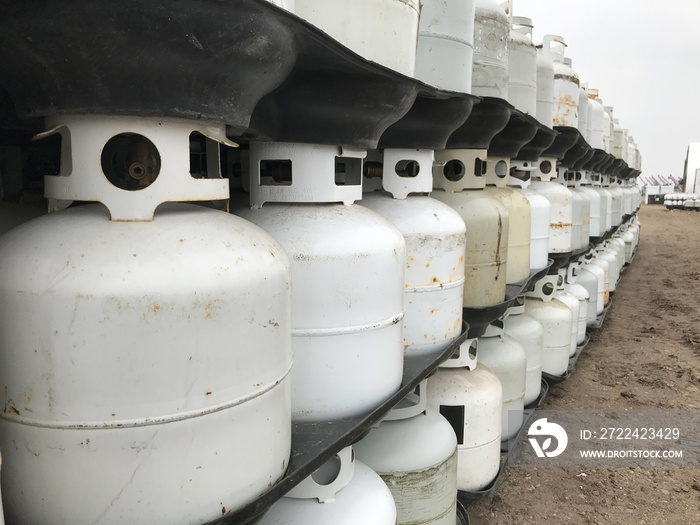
{"x":691,"y":170}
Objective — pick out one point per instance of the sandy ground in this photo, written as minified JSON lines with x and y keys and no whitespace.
{"x":646,"y":356}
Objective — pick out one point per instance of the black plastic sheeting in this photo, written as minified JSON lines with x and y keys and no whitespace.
{"x":562,"y":143}
{"x":263,"y":71}
{"x":266,"y":73}
{"x":183,"y":58}
{"x":486,"y":120}
{"x":543,"y":139}
{"x":599,"y":158}
{"x":520,"y":130}
{"x":462,"y":515}
{"x":429,"y":123}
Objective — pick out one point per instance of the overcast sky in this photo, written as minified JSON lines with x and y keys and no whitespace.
{"x":644,"y":58}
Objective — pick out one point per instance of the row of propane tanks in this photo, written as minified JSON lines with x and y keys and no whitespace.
{"x":448,"y":434}
{"x":682,"y":201}
{"x":173,"y":337}
{"x":477,"y":47}
{"x":160,"y":351}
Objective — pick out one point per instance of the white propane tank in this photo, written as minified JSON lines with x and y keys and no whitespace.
{"x":608,"y":196}
{"x":331,"y":495}
{"x":602,"y":278}
{"x":487,"y":226}
{"x":414,"y":450}
{"x":589,"y":112}
{"x":435,"y":242}
{"x":348,"y":266}
{"x":629,"y":239}
{"x":595,"y":286}
{"x":630,"y":250}
{"x":638,"y":226}
{"x":522,"y":66}
{"x":616,"y":196}
{"x":634,"y":228}
{"x":638,"y":197}
{"x":545,"y":88}
{"x":605,"y":203}
{"x":607,"y":254}
{"x":572,"y":302}
{"x":574,"y":184}
{"x":631,"y":151}
{"x":162,"y":351}
{"x":568,"y":75}
{"x":556,"y":319}
{"x":506,"y":358}
{"x":603,"y":264}
{"x":627,"y":198}
{"x":519,"y":219}
{"x":540,"y":210}
{"x":446,"y":44}
{"x":539,"y":233}
{"x":617,"y":245}
{"x":607,"y":128}
{"x":619,"y":140}
{"x":383,"y":31}
{"x":490,"y":67}
{"x":578,"y":204}
{"x":561,"y":236}
{"x":566,"y":83}
{"x":572,"y":286}
{"x":594,"y":206}
{"x":583,"y":110}
{"x":529,"y":332}
{"x":471,"y":401}
{"x":596,"y":121}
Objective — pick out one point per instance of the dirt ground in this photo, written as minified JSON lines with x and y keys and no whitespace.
{"x":646,"y":356}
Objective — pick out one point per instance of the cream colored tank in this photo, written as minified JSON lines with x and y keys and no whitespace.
{"x":487,"y":227}
{"x":519,"y":217}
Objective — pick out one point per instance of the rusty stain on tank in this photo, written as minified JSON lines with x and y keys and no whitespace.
{"x":560,"y":225}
